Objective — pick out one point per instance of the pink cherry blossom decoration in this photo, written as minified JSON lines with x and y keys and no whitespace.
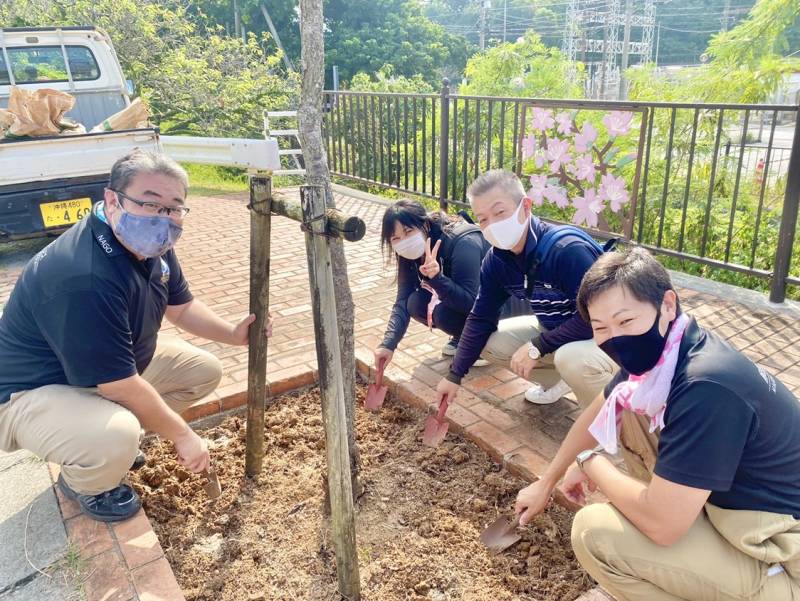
{"x":528,"y":146}
{"x":584,"y":168}
{"x":564,"y":121}
{"x":586,"y":208}
{"x":558,"y":153}
{"x":542,"y":119}
{"x":585,"y":138}
{"x":613,"y":189}
{"x":618,"y":123}
{"x":557,"y":195}
{"x":538,"y":185}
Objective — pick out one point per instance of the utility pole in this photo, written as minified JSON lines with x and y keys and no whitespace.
{"x":484,"y":5}
{"x":505,"y":18}
{"x":726,"y":15}
{"x":658,"y":41}
{"x":237,"y":19}
{"x":626,"y":44}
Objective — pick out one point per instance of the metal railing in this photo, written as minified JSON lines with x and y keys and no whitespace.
{"x":716,"y":184}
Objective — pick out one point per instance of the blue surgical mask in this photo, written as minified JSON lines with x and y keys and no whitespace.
{"x":147,"y":236}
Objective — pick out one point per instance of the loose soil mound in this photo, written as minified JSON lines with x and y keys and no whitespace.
{"x":418,"y":520}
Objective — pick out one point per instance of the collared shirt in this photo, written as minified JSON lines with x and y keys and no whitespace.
{"x":85,"y":311}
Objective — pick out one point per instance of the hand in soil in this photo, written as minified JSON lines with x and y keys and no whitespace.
{"x":192,"y":451}
{"x":532,"y":500}
{"x":572,"y":486}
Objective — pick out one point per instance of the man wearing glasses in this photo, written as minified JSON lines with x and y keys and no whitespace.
{"x":82,"y":367}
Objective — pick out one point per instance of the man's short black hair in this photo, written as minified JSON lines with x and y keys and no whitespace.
{"x":636,"y":270}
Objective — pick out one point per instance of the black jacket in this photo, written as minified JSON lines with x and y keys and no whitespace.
{"x":460,"y":255}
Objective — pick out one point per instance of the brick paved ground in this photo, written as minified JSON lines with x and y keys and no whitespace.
{"x":492,"y":411}
{"x":214,"y":255}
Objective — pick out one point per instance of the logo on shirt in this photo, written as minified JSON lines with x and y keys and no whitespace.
{"x":164,"y":271}
{"x":770,"y":381}
{"x":104,"y":244}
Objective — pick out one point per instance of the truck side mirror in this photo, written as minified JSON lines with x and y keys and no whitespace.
{"x":130,"y":87}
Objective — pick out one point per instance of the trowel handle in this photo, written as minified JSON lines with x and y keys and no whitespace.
{"x":379,"y":372}
{"x":442,"y":408}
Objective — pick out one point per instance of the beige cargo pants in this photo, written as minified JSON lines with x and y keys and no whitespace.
{"x":95,"y":440}
{"x":727,"y":555}
{"x":581,"y":364}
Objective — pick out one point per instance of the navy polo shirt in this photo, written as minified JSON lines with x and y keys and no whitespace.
{"x":730,"y":427}
{"x":85,"y":311}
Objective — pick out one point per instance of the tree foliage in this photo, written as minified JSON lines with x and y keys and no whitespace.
{"x":525,"y":68}
{"x":196,"y":79}
{"x":747,"y":62}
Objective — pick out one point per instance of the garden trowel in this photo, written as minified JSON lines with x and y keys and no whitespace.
{"x":501,"y":534}
{"x":436,"y":425}
{"x":212,"y":487}
{"x":376,"y":392}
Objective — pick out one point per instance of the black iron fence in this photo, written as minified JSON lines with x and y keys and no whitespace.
{"x":714,"y":184}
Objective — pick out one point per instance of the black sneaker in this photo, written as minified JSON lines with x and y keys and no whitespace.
{"x":114,"y":505}
{"x":449,"y":349}
{"x":139,"y":460}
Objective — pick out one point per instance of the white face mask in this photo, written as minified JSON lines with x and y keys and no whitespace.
{"x":506,"y":233}
{"x":411,"y":247}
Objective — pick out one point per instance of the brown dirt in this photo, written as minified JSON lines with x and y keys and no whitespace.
{"x":418,"y":521}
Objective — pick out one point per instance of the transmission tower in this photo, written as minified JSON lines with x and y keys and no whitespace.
{"x":592,"y":36}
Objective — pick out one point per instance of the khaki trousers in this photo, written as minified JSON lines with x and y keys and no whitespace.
{"x":582,"y":364}
{"x":95,"y":440}
{"x":727,"y":555}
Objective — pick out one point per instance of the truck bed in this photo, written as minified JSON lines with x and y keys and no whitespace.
{"x":67,"y":157}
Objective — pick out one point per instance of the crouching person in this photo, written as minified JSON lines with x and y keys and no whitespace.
{"x":438,"y":273}
{"x":82,"y":367}
{"x":710,"y":507}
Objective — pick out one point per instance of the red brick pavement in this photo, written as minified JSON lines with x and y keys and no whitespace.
{"x":214,"y":255}
{"x":491,"y":410}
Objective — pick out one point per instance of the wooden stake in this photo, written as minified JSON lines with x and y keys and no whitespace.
{"x":331,"y":383}
{"x":260,"y":230}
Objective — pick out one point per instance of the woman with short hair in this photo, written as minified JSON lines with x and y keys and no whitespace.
{"x":710,"y":506}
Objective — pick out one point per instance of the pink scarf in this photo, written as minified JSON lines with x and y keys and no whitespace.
{"x":644,"y":395}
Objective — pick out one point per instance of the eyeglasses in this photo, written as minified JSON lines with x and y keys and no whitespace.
{"x":156,"y":208}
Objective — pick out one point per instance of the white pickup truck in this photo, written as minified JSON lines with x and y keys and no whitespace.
{"x":47,"y":184}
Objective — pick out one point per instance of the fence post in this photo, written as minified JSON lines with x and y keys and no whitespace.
{"x":791,"y":199}
{"x":444,"y":143}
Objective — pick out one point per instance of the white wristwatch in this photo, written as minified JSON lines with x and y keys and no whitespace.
{"x":533,"y":352}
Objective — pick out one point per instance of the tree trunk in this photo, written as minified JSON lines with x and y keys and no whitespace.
{"x":312,"y":59}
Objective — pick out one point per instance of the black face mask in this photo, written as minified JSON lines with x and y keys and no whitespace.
{"x":639,"y":353}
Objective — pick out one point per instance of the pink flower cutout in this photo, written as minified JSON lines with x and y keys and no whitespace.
{"x":618,"y":123}
{"x":557,"y":153}
{"x":528,"y":146}
{"x":564,"y":121}
{"x":613,"y":189}
{"x":538,"y":185}
{"x":557,"y":195}
{"x":540,"y":160}
{"x":586,"y":208}
{"x":585,"y":138}
{"x":584,"y":168}
{"x":542,"y":119}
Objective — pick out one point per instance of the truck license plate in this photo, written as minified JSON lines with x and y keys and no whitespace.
{"x":65,"y":212}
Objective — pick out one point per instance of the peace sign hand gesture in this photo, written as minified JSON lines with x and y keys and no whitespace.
{"x":430,"y":268}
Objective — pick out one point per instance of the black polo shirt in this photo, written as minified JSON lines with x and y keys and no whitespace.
{"x":730,"y":427}
{"x":85,"y":311}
